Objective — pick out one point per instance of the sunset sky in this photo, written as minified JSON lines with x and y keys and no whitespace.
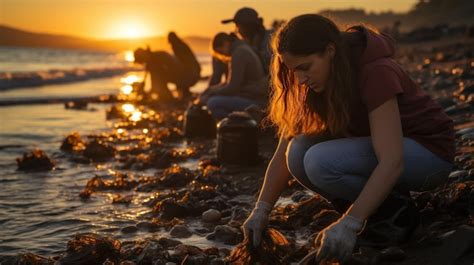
{"x":111,"y":19}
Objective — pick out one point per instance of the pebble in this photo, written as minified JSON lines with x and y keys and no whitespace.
{"x":464,"y":131}
{"x":211,"y":216}
{"x":225,"y":234}
{"x":180,"y":231}
{"x":168,"y":242}
{"x":457,"y":174}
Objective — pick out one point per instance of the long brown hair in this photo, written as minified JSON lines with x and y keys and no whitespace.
{"x":297,"y":109}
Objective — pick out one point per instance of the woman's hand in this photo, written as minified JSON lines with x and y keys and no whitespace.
{"x":257,"y":221}
{"x":336,"y":242}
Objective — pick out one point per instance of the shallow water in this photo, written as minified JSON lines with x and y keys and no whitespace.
{"x":39,"y":212}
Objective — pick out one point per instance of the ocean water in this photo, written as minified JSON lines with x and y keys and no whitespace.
{"x":39,"y":212}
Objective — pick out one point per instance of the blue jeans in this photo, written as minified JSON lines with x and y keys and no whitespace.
{"x":221,"y":106}
{"x":339,"y":168}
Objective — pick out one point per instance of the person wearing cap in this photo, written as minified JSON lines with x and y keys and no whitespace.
{"x":250,"y":28}
{"x":181,"y":68}
{"x":246,"y":84}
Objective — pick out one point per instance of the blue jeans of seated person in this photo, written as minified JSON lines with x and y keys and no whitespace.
{"x":339,"y":168}
{"x":221,"y":106}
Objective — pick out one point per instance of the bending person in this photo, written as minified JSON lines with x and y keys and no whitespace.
{"x":353,"y":127}
{"x":181,"y":69}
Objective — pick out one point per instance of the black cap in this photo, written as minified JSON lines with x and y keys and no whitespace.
{"x":243,"y":15}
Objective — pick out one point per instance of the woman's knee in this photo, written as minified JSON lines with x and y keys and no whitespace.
{"x":294,"y":155}
{"x":318,"y":165}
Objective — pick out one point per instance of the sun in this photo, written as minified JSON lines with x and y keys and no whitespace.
{"x":130,"y":30}
{"x":133,"y":31}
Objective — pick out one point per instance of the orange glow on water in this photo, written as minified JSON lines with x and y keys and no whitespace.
{"x":127,"y":89}
{"x":128,"y":107}
{"x":130,"y":79}
{"x":136,"y":116}
{"x":128,"y":56}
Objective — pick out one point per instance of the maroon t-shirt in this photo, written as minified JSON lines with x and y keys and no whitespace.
{"x":379,"y":79}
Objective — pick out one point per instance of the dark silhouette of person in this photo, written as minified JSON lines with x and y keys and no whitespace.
{"x":187,"y":61}
{"x":250,"y":28}
{"x":181,"y":68}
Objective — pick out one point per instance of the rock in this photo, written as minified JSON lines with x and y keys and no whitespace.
{"x":457,"y":174}
{"x":211,"y":216}
{"x":168,"y":242}
{"x":461,"y":132}
{"x":98,"y":151}
{"x":180,"y":231}
{"x":37,"y":160}
{"x":225,"y":234}
{"x":200,"y":259}
{"x":457,"y":248}
{"x":152,"y":253}
{"x":145,"y":225}
{"x":170,"y":208}
{"x":468,"y":136}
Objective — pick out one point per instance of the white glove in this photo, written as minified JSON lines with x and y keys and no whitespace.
{"x":257,"y":221}
{"x":337,"y":240}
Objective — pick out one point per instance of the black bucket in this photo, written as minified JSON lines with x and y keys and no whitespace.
{"x":237,"y":141}
{"x":198,"y":122}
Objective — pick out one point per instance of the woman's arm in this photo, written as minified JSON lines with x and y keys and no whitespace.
{"x":387,"y":140}
{"x":276,"y":176}
{"x":236,"y":70}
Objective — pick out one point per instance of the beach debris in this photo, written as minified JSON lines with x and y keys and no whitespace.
{"x":90,"y":248}
{"x":118,"y":182}
{"x":176,"y":176}
{"x":274,"y":249}
{"x":36,"y":160}
{"x":293,"y":216}
{"x":73,"y":143}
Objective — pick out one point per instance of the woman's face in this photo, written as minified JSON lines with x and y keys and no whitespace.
{"x":224,"y":49}
{"x":311,"y":70}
